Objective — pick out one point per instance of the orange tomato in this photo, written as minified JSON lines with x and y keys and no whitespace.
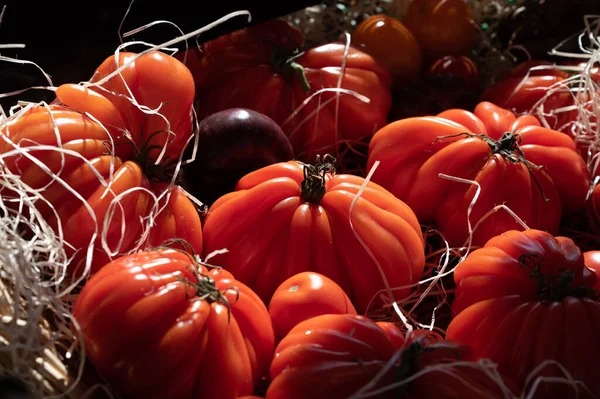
{"x":391,"y":43}
{"x":442,"y":27}
{"x":306,"y":295}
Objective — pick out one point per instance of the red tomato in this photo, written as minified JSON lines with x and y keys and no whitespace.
{"x":391,"y":43}
{"x":256,"y":68}
{"x":335,"y":356}
{"x":515,"y":290}
{"x":393,"y":333}
{"x":329,"y":357}
{"x":456,"y":65}
{"x":413,"y":153}
{"x":592,"y":261}
{"x":112,"y":153}
{"x":290,"y":217}
{"x":303,"y":296}
{"x":156,"y":325}
{"x":522,"y":89}
{"x":442,"y":27}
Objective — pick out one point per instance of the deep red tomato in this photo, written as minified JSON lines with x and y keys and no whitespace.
{"x":335,"y":356}
{"x":521,"y":90}
{"x":393,"y":333}
{"x":592,"y":261}
{"x":258,"y":68}
{"x":525,"y":298}
{"x":456,"y":65}
{"x":413,"y":153}
{"x":110,"y":165}
{"x":390,"y":42}
{"x":156,"y":325}
{"x":330,"y":357}
{"x":442,"y":27}
{"x":303,"y":296}
{"x":290,"y":217}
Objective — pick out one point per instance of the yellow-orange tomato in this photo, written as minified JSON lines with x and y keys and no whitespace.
{"x":306,"y":295}
{"x":391,"y":43}
{"x":442,"y":27}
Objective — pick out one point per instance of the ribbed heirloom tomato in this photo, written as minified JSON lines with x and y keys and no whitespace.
{"x":526,"y":298}
{"x":290,"y":217}
{"x":158,"y":325}
{"x":534,"y":171}
{"x":258,"y":68}
{"x":98,"y":168}
{"x":350,"y":357}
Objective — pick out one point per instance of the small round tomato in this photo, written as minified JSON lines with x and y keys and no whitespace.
{"x":442,"y":27}
{"x":303,"y":296}
{"x":456,"y":65}
{"x":592,"y":261}
{"x":390,"y":42}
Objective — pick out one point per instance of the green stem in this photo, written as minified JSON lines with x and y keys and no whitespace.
{"x":553,"y":288}
{"x":313,"y":185}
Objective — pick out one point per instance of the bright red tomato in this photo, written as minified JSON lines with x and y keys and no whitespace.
{"x":442,"y":27}
{"x":525,"y":298}
{"x":303,"y":296}
{"x":290,"y":217}
{"x":413,"y":153}
{"x":390,"y":42}
{"x":157,"y":325}
{"x":257,"y":68}
{"x":110,"y":158}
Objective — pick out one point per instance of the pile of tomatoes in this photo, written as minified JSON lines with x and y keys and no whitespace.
{"x":291,"y":280}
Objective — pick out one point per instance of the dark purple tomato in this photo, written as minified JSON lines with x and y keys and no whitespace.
{"x":231,"y":144}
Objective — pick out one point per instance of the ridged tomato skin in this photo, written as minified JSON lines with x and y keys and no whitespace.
{"x":330,"y":357}
{"x":271,"y":232}
{"x":97,"y":174}
{"x":526,"y":298}
{"x":498,"y":157}
{"x":156,"y":324}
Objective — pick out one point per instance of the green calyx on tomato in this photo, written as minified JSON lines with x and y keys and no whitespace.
{"x":146,"y":158}
{"x":313,"y":185}
{"x":508,"y":148}
{"x":554,"y":288}
{"x":284,"y":62}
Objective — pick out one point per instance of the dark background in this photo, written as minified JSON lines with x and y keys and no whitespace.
{"x":69,"y":40}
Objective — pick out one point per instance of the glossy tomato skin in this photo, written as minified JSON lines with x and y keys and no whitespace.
{"x":272,"y":233}
{"x":456,"y":65}
{"x":522,"y":89}
{"x":330,"y":356}
{"x":439,"y":145}
{"x":393,"y":333}
{"x":114,"y":171}
{"x":241,"y":70}
{"x":502,"y":313}
{"x":303,"y":296}
{"x":442,"y":27}
{"x":389,"y":41}
{"x":592,"y":261}
{"x":232,"y":143}
{"x":148,"y":332}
